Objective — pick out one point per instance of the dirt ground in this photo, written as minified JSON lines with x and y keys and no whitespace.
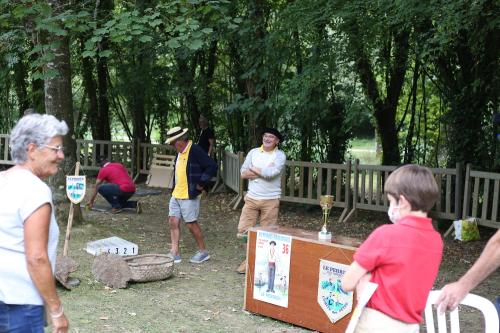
{"x":208,"y":297}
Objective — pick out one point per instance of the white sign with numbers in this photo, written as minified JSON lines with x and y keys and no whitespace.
{"x":112,"y":245}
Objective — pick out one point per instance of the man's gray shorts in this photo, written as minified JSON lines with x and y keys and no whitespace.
{"x":186,"y":209}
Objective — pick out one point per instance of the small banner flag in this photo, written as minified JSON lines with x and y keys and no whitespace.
{"x":335,"y":302}
{"x":75,"y":188}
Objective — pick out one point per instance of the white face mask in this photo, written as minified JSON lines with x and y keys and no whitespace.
{"x":393,"y":213}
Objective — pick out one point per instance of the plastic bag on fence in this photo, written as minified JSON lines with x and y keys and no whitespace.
{"x":466,"y":230}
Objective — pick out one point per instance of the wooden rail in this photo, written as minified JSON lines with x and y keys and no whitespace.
{"x":450,"y":183}
{"x":145,"y":153}
{"x":230,"y":175}
{"x":368,"y":191}
{"x":90,"y":150}
{"x":231,"y":171}
{"x":305,"y":182}
{"x":481,"y":198}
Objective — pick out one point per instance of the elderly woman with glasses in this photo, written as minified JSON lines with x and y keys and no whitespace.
{"x":28,"y":228}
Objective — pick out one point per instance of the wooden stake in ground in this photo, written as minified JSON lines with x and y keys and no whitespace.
{"x":75,"y":189}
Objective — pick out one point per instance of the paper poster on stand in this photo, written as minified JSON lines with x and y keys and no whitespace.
{"x":272,"y":268}
{"x":363,"y":299}
{"x":334,"y":301}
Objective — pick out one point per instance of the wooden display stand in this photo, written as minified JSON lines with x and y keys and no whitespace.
{"x":303,"y":308}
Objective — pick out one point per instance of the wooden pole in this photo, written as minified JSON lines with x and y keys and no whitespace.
{"x":70,"y":218}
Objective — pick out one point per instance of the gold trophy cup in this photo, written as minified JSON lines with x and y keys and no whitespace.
{"x":326,"y":203}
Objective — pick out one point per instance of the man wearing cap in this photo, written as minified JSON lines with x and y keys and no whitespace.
{"x":262,"y":168}
{"x":193,"y":169}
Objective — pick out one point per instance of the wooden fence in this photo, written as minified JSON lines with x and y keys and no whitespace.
{"x":353,"y":185}
{"x":230,"y":174}
{"x":135,"y":156}
{"x":356,"y":186}
{"x":368,"y":190}
{"x":305,"y":182}
{"x":4,"y":150}
{"x":145,"y":152}
{"x":481,"y":196}
{"x":119,"y":151}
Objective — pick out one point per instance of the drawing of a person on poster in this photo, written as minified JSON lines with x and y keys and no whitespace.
{"x":272,"y":258}
{"x":272,"y":268}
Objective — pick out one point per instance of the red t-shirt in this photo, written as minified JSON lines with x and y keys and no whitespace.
{"x":403,"y":259}
{"x":115,"y":173}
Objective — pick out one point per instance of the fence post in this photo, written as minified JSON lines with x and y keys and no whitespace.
{"x":354,"y":192}
{"x":134,"y":165}
{"x":459,"y":190}
{"x":467,"y":190}
{"x":241,"y":185}
{"x":219,"y":155}
{"x":137,"y":157}
{"x":347,"y":190}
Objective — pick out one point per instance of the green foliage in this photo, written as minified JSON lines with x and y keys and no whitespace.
{"x":460,"y":45}
{"x":290,"y":64}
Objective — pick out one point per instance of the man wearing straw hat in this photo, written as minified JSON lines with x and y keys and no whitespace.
{"x":262,"y":168}
{"x":193,"y":169}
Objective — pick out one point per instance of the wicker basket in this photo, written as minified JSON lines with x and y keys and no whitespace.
{"x":150,"y":267}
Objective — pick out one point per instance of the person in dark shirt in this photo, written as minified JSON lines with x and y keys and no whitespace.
{"x":206,"y":139}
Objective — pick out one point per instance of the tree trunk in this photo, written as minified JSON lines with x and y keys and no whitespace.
{"x":20,"y":75}
{"x":409,"y":148}
{"x":469,"y":84}
{"x":207,"y":77}
{"x":37,"y":85}
{"x":384,"y":108}
{"x":237,"y":128}
{"x":256,"y":84}
{"x":59,"y":102}
{"x":103,"y":128}
{"x":186,"y":72}
{"x":90,"y":89}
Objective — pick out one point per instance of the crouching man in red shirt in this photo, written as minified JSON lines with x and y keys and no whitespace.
{"x":115,"y":185}
{"x":402,"y":258}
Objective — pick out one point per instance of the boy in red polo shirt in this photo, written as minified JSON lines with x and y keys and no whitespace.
{"x":402,"y":258}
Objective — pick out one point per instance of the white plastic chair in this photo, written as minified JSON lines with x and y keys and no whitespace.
{"x":491,"y":321}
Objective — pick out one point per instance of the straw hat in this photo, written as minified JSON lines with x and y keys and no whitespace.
{"x":175,"y":133}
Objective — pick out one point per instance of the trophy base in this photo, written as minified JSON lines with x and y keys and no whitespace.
{"x":325,"y":236}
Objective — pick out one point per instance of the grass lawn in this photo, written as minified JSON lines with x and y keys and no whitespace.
{"x":206,"y":297}
{"x":364,"y":150}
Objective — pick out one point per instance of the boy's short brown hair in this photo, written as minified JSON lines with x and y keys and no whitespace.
{"x":416,"y":183}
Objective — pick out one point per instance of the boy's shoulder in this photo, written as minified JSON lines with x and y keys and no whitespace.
{"x":388,"y":230}
{"x":382,"y":234}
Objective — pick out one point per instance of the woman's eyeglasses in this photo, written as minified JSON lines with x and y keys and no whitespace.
{"x":55,"y":149}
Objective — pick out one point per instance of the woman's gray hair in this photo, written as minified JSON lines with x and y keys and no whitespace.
{"x":34,"y":128}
